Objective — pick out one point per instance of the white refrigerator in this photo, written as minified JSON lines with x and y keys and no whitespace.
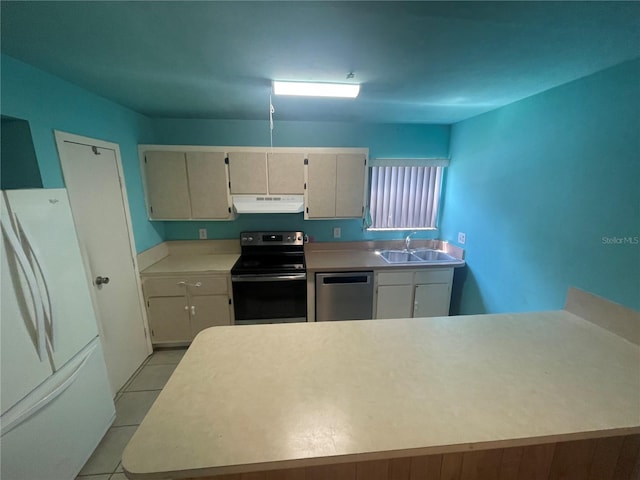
{"x":55,"y":397}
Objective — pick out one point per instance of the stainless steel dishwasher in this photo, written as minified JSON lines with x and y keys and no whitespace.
{"x":344,"y":296}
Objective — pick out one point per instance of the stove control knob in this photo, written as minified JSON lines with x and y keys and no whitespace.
{"x":289,"y":238}
{"x":250,"y":239}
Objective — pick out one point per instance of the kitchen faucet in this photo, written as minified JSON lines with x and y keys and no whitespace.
{"x":407,"y":241}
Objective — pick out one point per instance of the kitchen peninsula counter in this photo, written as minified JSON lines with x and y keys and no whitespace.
{"x":361,"y":393}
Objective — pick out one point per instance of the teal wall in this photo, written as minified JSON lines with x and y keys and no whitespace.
{"x":547,"y":189}
{"x":543,"y":188}
{"x":49,"y":103}
{"x":383,"y":141}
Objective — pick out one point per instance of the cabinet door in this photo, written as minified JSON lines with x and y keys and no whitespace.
{"x":208,"y":185}
{"x":286,"y":173}
{"x":350,"y":178}
{"x":167,"y":187}
{"x":321,"y":186}
{"x":169,"y":320}
{"x":209,"y":311}
{"x":432,"y":300}
{"x":394,"y":301}
{"x":248,"y":172}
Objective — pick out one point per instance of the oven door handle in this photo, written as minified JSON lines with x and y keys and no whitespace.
{"x":268,"y":278}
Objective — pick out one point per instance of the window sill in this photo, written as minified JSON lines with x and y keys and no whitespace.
{"x":402,"y":229}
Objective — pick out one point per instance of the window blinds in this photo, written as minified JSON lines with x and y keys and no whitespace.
{"x":405,"y":196}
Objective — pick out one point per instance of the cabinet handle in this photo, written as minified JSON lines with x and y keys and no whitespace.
{"x":187,"y":284}
{"x":193,"y":309}
{"x":186,"y":307}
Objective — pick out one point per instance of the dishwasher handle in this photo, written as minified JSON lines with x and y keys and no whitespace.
{"x":348,"y":278}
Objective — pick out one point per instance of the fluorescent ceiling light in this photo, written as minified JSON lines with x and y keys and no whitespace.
{"x":347,"y":90}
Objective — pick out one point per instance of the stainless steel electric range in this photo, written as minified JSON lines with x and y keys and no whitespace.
{"x":269,"y":279}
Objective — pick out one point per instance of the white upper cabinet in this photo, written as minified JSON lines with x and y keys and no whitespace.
{"x":321,"y":186}
{"x":350,"y":180}
{"x":336,"y":184}
{"x":286,"y":173}
{"x":167,"y":185}
{"x":197,"y":182}
{"x":208,"y":186}
{"x":186,"y":185}
{"x":266,"y":173}
{"x":248,"y":173}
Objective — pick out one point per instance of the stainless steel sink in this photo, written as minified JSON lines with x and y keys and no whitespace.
{"x":422,"y":255}
{"x":397,"y":256}
{"x":428,"y":255}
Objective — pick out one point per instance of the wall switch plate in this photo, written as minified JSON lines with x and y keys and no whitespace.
{"x":462,"y":238}
{"x":337,"y":232}
{"x":202,"y":233}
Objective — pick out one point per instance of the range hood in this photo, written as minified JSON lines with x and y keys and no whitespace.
{"x":268,"y":203}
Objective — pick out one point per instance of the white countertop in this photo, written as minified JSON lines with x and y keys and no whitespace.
{"x":345,"y":260}
{"x":338,"y":260}
{"x":316,"y":261}
{"x":192,"y":263}
{"x":279,"y":396}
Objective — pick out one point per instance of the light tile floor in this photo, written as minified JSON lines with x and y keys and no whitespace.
{"x":133,"y":402}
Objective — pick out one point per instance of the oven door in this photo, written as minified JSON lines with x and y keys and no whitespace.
{"x":269,"y":298}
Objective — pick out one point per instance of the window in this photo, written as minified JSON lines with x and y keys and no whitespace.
{"x":405,"y":195}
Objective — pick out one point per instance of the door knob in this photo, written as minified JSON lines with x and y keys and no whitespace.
{"x":102,"y":280}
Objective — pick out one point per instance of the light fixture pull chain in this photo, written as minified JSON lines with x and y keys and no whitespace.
{"x":271,"y":111}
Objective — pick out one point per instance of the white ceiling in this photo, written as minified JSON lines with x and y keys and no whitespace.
{"x":426,"y":62}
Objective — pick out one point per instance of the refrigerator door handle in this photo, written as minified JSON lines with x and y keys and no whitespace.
{"x":46,"y":393}
{"x":36,"y":298}
{"x":35,"y":254}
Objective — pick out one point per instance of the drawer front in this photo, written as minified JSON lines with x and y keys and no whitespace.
{"x":440,"y":275}
{"x":210,"y":285}
{"x":175,"y":286}
{"x":395,"y":278}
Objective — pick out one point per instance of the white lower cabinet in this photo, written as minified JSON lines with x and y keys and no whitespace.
{"x":168,"y":319}
{"x":431,"y":300}
{"x":209,"y":311}
{"x":179,"y":307}
{"x":414,"y":293}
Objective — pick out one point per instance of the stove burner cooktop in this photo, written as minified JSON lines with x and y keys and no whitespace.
{"x":264,"y":253}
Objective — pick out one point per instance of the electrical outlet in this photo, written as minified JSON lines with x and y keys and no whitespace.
{"x":202,"y":233}
{"x":337,"y":232}
{"x":462,"y":238}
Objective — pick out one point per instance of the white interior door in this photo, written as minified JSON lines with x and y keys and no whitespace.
{"x":93,"y":177}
